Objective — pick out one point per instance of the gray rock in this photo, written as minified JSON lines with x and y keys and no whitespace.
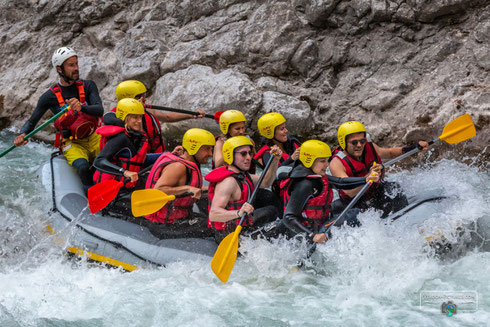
{"x":482,"y":32}
{"x":482,"y":57}
{"x":404,"y":68}
{"x":305,"y":57}
{"x":318,"y":11}
{"x":296,"y":112}
{"x":201,"y":87}
{"x":429,"y":11}
{"x":92,"y":71}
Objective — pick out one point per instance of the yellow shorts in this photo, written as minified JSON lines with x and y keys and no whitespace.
{"x":87,"y":148}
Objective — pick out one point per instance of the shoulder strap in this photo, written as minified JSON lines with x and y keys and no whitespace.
{"x":57,"y":92}
{"x":81,"y":91}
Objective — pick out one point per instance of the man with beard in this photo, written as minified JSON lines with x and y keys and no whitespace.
{"x":76,"y":128}
{"x":231,"y":186}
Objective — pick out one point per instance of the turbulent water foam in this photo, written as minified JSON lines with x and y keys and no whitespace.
{"x":367,"y":276}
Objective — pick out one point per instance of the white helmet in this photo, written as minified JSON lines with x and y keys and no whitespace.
{"x":60,"y":55}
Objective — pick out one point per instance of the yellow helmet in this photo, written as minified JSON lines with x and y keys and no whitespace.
{"x":195,"y":138}
{"x":129,"y":106}
{"x":311,"y":150}
{"x":348,"y":128}
{"x":267,"y":124}
{"x":231,"y":144}
{"x":230,"y":117}
{"x":129,"y":89}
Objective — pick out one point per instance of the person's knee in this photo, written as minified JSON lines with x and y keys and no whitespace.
{"x":83,"y":169}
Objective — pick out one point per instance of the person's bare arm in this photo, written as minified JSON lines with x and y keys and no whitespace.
{"x":218,"y":153}
{"x":172,"y":181}
{"x":172,"y":117}
{"x":338,"y":170}
{"x":270,"y":176}
{"x":225,"y":192}
{"x":390,"y":153}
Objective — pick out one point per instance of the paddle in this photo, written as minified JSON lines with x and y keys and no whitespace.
{"x":101,"y":194}
{"x":215,"y":116}
{"x":64,"y":109}
{"x":145,"y":202}
{"x":458,"y":130}
{"x":225,"y":256}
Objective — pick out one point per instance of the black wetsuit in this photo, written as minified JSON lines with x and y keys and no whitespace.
{"x":111,"y":119}
{"x":301,"y":190}
{"x":120,"y":145}
{"x":265,"y":196}
{"x":48,"y":101}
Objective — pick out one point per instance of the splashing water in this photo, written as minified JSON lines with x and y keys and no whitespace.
{"x":367,"y":276}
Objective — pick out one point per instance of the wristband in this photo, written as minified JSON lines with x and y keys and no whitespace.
{"x":238,"y":213}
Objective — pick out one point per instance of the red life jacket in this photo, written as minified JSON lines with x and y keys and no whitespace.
{"x":180,"y":208}
{"x":316,"y":210}
{"x":247,"y":187}
{"x":80,"y":124}
{"x":267,"y":148}
{"x":153,"y":131}
{"x":355,"y":168}
{"x":132,"y":164}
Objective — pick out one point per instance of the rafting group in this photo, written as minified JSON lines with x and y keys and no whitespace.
{"x":294,"y":193}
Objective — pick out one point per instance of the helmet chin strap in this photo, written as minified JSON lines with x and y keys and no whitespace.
{"x":241,"y":170}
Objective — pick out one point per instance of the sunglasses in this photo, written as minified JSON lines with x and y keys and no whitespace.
{"x":354,"y":142}
{"x":139,"y":96}
{"x":244,"y":153}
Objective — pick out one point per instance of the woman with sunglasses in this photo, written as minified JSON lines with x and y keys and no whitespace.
{"x":151,"y":119}
{"x":307,"y":192}
{"x":356,"y":157}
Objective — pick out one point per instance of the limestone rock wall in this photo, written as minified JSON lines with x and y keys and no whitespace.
{"x":403,"y":67}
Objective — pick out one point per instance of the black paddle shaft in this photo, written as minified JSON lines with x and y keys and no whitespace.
{"x":141,"y":172}
{"x":327,"y":227}
{"x":182,"y":111}
{"x":252,"y":198}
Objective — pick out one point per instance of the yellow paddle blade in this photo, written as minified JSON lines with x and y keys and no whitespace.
{"x":458,"y":130}
{"x":225,"y":256}
{"x":145,"y":202}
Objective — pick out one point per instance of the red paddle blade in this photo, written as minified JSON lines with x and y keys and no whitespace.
{"x":218,"y":114}
{"x":101,"y":194}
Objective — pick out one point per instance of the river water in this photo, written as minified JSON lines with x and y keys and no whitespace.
{"x":375,"y":275}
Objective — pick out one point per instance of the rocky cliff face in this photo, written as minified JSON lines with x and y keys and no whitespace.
{"x":404,"y":68}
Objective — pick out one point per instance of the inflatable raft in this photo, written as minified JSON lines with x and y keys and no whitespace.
{"x":125,"y":243}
